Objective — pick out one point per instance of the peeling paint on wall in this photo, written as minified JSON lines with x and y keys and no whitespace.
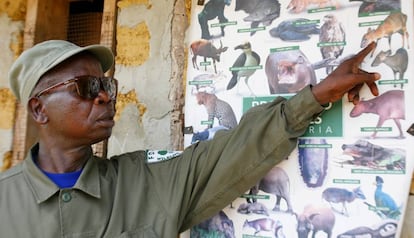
{"x":16,"y":45}
{"x":11,"y":45}
{"x":128,"y":98}
{"x":15,"y":9}
{"x":7,"y":161}
{"x":188,"y":9}
{"x":7,"y":108}
{"x":127,"y":3}
{"x":133,"y":45}
{"x":12,"y":16}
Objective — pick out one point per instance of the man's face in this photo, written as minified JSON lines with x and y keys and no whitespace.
{"x":75,"y":120}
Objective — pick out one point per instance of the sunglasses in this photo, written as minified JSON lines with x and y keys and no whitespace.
{"x":88,"y":87}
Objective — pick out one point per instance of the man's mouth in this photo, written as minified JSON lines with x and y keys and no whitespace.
{"x":106,"y":120}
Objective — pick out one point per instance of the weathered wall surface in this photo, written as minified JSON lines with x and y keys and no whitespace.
{"x":12,"y":15}
{"x":143,"y":68}
{"x":149,"y":66}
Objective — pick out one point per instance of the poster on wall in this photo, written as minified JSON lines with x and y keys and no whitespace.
{"x":351,"y":171}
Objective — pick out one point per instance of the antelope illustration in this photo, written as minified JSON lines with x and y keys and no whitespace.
{"x":396,"y":22}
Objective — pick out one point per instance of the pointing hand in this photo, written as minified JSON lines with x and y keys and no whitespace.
{"x":347,"y":78}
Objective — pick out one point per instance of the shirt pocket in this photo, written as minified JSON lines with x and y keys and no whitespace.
{"x":142,"y":232}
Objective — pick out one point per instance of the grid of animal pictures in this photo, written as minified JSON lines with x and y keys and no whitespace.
{"x":350,"y":173}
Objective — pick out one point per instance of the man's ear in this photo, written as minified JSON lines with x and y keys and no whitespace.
{"x":37,"y":110}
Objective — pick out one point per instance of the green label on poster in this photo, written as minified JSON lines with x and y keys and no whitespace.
{"x":328,"y":124}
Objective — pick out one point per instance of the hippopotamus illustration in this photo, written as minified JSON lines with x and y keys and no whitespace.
{"x":389,"y":105}
{"x":288,"y":71}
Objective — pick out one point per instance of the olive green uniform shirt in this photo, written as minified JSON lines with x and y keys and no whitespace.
{"x":129,"y":196}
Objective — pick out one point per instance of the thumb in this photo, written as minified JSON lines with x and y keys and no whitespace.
{"x":359,"y":80}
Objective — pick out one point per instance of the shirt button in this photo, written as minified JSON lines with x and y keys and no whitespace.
{"x":66,"y":197}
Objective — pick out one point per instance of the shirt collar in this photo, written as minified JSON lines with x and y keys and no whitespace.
{"x":88,"y":181}
{"x":43,"y":188}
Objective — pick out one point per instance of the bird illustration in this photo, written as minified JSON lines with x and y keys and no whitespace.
{"x":383,"y":201}
{"x":242,"y":67}
{"x":332,"y":39}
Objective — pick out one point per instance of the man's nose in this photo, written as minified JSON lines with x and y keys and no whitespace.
{"x":103,"y":97}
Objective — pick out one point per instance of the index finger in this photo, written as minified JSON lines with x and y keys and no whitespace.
{"x":364,"y":52}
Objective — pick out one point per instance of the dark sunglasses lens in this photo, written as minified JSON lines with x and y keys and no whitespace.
{"x":110,"y":86}
{"x":88,"y":87}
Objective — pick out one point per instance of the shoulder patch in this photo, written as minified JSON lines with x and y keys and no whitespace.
{"x":155,"y":156}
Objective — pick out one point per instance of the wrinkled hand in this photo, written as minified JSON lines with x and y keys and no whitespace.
{"x":347,"y":78}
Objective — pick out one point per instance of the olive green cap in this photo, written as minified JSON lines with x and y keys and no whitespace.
{"x":36,"y":61}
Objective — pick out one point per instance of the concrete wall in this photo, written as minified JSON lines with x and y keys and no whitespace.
{"x":143,"y":68}
{"x":12,"y":14}
{"x":149,"y":66}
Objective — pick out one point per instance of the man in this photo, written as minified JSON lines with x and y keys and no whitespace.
{"x":62,"y":190}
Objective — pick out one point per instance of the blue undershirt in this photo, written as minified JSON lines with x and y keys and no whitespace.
{"x":64,"y":180}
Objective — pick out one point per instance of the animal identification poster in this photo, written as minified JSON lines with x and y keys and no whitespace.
{"x":350,"y":173}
